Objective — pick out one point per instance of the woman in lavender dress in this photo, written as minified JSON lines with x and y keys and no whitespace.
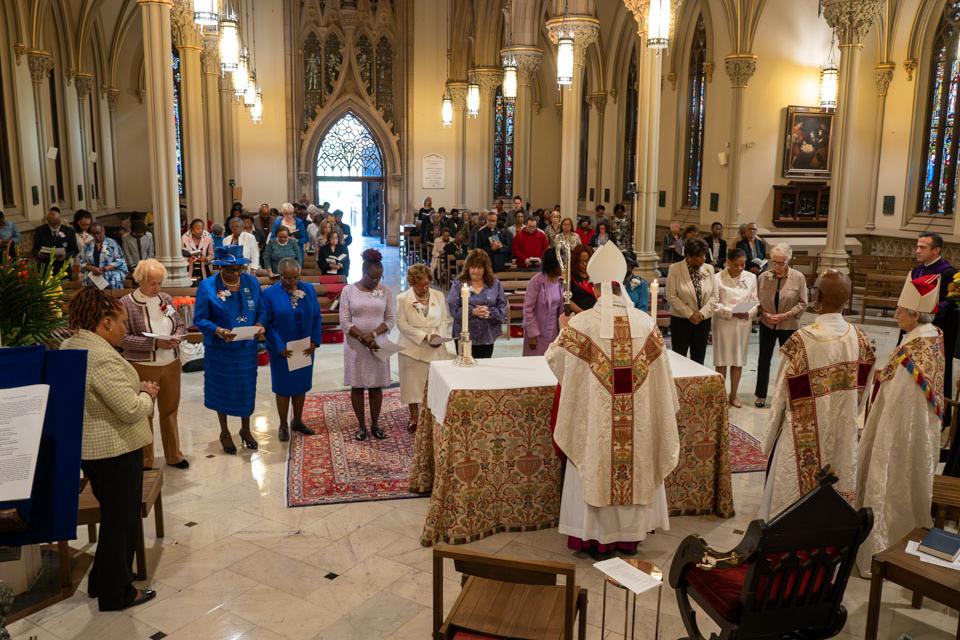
{"x":488,"y":304}
{"x":542,"y":306}
{"x":367,"y":310}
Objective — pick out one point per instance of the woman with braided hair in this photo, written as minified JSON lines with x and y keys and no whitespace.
{"x":367,"y":311}
{"x":115,"y":430}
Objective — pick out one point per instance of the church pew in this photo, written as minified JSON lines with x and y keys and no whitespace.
{"x":881,"y":291}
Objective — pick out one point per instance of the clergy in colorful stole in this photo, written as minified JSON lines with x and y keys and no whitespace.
{"x":824,"y":369}
{"x":616,"y":417}
{"x":900,"y":445}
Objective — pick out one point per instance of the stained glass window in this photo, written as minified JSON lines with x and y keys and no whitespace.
{"x":178,"y":123}
{"x":312,"y":77}
{"x":939,"y":180}
{"x":349,"y":149}
{"x":55,"y":133}
{"x":6,"y":175}
{"x":385,"y":79}
{"x":696,"y":112}
{"x":630,"y":127}
{"x":365,"y":62}
{"x":503,"y":112}
{"x":333,"y":56}
{"x":584,"y":146}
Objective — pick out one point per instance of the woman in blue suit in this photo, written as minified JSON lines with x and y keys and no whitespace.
{"x":226,"y":300}
{"x":289,"y":311}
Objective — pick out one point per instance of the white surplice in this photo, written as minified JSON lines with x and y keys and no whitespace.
{"x":616,"y":422}
{"x":900,"y":445}
{"x":824,"y":370}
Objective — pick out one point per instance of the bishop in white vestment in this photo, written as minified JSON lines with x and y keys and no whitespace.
{"x":900,"y":445}
{"x":824,"y":370}
{"x":616,"y":418}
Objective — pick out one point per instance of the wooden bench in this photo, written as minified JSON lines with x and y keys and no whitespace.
{"x":860,"y":266}
{"x":88,"y":513}
{"x":880,"y":291}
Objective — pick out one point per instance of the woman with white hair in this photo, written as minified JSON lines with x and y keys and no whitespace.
{"x":782,"y":291}
{"x":900,"y":446}
{"x":296,"y":226}
{"x":152,"y":346}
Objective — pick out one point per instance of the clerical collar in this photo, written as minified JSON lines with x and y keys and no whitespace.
{"x":932,"y":262}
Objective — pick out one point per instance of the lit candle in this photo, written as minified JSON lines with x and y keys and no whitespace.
{"x":464,"y":308}
{"x":654,"y":290}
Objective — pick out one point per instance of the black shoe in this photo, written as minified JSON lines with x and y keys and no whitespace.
{"x":183,"y":464}
{"x":377,"y":432}
{"x":299,"y":427}
{"x":361,"y":433}
{"x":248,"y":440}
{"x":226,"y":441}
{"x":284,"y":433}
{"x":143,"y":595}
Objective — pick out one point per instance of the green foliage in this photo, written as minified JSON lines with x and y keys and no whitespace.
{"x":31,"y":300}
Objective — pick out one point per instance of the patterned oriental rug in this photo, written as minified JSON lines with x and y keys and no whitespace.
{"x":746,"y":454}
{"x":333,"y":466}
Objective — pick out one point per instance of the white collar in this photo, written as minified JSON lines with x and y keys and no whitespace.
{"x":932,"y":262}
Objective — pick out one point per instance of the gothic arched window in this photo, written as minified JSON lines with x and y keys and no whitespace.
{"x":503,"y":113}
{"x":938,"y":181}
{"x":349,"y":149}
{"x":630,"y":127}
{"x":696,"y":112}
{"x":178,"y":123}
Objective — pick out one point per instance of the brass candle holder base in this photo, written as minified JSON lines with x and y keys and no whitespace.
{"x":465,"y":357}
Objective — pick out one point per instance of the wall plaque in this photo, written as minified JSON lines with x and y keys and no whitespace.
{"x":432,"y":170}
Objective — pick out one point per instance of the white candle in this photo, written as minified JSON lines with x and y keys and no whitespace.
{"x":464,"y":307}
{"x":654,"y":290}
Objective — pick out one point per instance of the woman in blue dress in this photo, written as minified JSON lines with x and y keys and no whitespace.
{"x":102,"y":257}
{"x":226,"y":300}
{"x":289,"y":311}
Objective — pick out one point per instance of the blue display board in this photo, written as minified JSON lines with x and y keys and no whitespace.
{"x":51,"y":511}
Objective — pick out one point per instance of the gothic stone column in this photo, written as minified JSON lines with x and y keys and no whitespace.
{"x":211,"y":104}
{"x":850,"y":20}
{"x":41,"y":64}
{"x":882,"y":75}
{"x":458,"y":95}
{"x":528,"y":62}
{"x":227,"y":148}
{"x":190,"y":45}
{"x":83,"y":83}
{"x":740,"y":68}
{"x":598,"y":101}
{"x":161,"y":146}
{"x":585,"y":30}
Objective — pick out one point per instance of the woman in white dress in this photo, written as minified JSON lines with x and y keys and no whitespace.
{"x":423,"y":320}
{"x":731,"y":331}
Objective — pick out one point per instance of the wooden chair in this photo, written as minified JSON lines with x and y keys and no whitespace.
{"x":508,"y":598}
{"x":880,"y":291}
{"x":808,"y":266}
{"x":859,"y":267}
{"x":785,"y":579}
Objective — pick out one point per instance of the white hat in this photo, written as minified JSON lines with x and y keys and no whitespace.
{"x":607,"y":265}
{"x":921,"y":294}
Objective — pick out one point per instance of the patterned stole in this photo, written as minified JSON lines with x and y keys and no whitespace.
{"x":621,"y":374}
{"x":805,"y":386}
{"x":923,"y":358}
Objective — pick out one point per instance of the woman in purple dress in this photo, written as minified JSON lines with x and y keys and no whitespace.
{"x":487,"y":304}
{"x":367,"y":311}
{"x":542,"y":306}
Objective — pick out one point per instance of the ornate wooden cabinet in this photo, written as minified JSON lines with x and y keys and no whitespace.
{"x":801,"y":204}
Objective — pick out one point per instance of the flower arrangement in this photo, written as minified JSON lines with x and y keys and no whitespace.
{"x":953,"y":289}
{"x":33,"y":305}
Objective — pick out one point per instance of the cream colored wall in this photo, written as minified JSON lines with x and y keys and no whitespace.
{"x":130,"y":128}
{"x":261,"y":149}
{"x":545,"y":137}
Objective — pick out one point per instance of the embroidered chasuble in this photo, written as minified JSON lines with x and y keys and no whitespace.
{"x":616,"y":423}
{"x":823,"y":374}
{"x":900,"y":445}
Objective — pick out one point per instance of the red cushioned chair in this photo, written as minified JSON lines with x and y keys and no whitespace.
{"x":786,"y":577}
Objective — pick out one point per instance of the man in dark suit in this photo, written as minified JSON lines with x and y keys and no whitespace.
{"x":717,"y":246}
{"x":54,"y":238}
{"x":344,"y":228}
{"x":495,"y":242}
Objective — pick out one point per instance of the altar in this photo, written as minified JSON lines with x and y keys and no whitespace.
{"x":484,"y":450}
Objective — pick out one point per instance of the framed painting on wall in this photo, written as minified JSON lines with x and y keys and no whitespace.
{"x":808,"y":147}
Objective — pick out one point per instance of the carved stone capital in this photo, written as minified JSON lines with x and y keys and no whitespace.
{"x":185,"y":32}
{"x":672,"y":79}
{"x":585,"y":30}
{"x":83,"y":82}
{"x":882,"y":75}
{"x":210,"y":58}
{"x":851,"y":19}
{"x":489,"y":78}
{"x":113,"y":98}
{"x":909,"y":66}
{"x":41,"y":64}
{"x":19,"y":50}
{"x":527,"y":59}
{"x":740,"y":68}
{"x":708,"y":70}
{"x":598,"y":101}
{"x":458,"y":93}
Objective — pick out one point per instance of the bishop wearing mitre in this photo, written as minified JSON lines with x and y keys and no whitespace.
{"x":616,"y":417}
{"x":824,"y":370}
{"x":900,"y":445}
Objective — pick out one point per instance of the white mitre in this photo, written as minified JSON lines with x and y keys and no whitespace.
{"x":607,"y":265}
{"x":921,"y":294}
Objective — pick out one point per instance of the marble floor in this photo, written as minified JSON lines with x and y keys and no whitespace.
{"x":237,"y":564}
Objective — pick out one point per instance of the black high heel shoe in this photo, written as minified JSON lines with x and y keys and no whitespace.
{"x":377,"y":432}
{"x":361,"y":433}
{"x":248,"y":440}
{"x":226,"y":441}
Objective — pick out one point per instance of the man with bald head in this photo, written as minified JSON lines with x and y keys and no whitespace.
{"x":823,"y":374}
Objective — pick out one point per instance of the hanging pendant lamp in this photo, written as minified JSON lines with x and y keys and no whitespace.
{"x":658,"y":24}
{"x":473,"y":99}
{"x":446,"y":111}
{"x":565,"y":59}
{"x":229,"y":43}
{"x":510,"y":79}
{"x":205,"y":13}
